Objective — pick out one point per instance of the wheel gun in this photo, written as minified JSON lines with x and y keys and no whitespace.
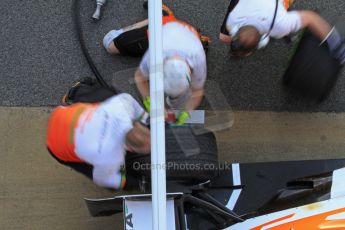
{"x":99,"y":4}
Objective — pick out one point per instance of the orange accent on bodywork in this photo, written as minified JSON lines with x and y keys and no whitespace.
{"x":313,"y":222}
{"x":273,"y":221}
{"x":333,"y":224}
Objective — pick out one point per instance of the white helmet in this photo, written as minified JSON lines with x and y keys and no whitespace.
{"x":176,"y":76}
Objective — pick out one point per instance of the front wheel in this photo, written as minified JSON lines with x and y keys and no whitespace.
{"x":189,"y":157}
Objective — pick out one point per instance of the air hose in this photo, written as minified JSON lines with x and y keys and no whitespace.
{"x":80,"y":36}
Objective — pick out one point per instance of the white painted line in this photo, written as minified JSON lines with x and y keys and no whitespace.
{"x":338,"y":183}
{"x":236,"y":174}
{"x":236,"y":180}
{"x":233,"y":199}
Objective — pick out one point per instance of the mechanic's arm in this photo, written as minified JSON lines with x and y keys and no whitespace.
{"x":224,"y":38}
{"x":108,"y":177}
{"x":198,"y":79}
{"x":134,"y":109}
{"x":142,"y":83}
{"x":195,"y":99}
{"x":315,"y":23}
{"x":224,"y":34}
{"x":192,"y":103}
{"x":323,"y":30}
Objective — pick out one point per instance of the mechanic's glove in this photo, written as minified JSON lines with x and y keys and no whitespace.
{"x":336,"y":45}
{"x":146,"y":102}
{"x":182,"y":118}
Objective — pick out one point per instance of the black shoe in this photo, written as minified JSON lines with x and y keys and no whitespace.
{"x":69,"y":97}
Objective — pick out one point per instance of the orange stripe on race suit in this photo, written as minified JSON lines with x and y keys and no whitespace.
{"x":172,"y":18}
{"x":288,"y":3}
{"x":191,"y":28}
{"x":60,"y":133}
{"x":167,"y":10}
{"x":317,"y":221}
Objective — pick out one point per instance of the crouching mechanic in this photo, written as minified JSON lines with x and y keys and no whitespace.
{"x":93,"y":138}
{"x":249,"y":24}
{"x":184,"y":61}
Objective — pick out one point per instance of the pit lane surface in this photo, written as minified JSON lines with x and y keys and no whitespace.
{"x":36,"y":192}
{"x":40,"y":57}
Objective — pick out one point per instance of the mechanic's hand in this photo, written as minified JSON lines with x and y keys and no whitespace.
{"x":336,"y":45}
{"x":146,"y":103}
{"x":169,"y":116}
{"x":225,"y":38}
{"x":182,"y":118}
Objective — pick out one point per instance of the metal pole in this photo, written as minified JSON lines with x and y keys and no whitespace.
{"x":157,"y":116}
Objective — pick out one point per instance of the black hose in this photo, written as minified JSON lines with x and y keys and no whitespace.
{"x":77,"y":24}
{"x":206,"y":205}
{"x":210,"y":199}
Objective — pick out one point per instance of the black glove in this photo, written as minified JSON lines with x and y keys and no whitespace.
{"x":336,"y":45}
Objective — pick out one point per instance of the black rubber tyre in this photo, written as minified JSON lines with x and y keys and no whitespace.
{"x":189,"y":157}
{"x":312,"y":72}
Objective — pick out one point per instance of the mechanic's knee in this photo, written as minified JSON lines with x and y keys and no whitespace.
{"x":108,"y":41}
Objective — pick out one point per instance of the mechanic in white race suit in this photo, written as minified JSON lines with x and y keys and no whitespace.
{"x":93,"y":138}
{"x":184,"y":61}
{"x":249,"y":24}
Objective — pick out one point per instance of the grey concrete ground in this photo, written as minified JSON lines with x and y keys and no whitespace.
{"x":40,"y":55}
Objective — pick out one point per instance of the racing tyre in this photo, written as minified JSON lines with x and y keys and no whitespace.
{"x":312,"y":71}
{"x":189,"y":157}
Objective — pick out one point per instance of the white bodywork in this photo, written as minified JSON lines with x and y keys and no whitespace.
{"x":138,"y":214}
{"x":329,"y":214}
